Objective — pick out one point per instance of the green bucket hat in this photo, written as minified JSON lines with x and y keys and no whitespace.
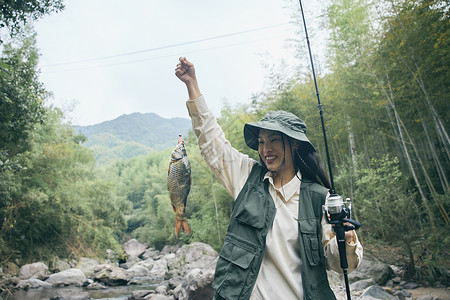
{"x":281,"y":121}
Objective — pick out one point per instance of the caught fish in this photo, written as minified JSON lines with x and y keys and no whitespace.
{"x":179,"y":185}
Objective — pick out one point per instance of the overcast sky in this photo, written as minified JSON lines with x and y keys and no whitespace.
{"x":106,"y":58}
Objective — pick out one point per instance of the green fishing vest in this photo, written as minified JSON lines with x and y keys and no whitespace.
{"x":243,"y":249}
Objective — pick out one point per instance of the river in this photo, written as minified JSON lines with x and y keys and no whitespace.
{"x":72,"y":292}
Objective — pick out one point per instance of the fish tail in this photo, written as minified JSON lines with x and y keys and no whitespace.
{"x":181,"y":224}
{"x":186,"y":227}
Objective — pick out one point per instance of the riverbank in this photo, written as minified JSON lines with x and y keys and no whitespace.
{"x":181,"y":273}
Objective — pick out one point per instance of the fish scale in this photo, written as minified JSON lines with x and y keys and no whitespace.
{"x":179,"y":185}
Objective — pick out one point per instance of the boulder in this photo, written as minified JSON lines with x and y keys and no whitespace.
{"x":148,"y":263}
{"x":11,"y":269}
{"x":197,"y":285}
{"x":142,"y":280}
{"x":111,"y":275}
{"x":140,"y":294}
{"x":10,"y":282}
{"x":96,"y":286}
{"x":151,"y":253}
{"x":131,"y":261}
{"x":60,"y":265}
{"x":33,"y":284}
{"x":134,"y":248}
{"x":87,"y":265}
{"x":361,"y":285}
{"x":37,"y":270}
{"x":193,"y":256}
{"x":170,"y":249}
{"x":377,"y":292}
{"x":67,"y":277}
{"x":138,"y":271}
{"x":159,"y":269}
{"x":157,"y":297}
{"x":369,"y":269}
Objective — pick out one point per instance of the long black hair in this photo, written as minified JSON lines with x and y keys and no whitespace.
{"x":305,"y":160}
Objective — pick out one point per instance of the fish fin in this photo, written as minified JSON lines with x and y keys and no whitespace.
{"x":181,"y":225}
{"x":186,"y":227}
{"x":178,"y":224}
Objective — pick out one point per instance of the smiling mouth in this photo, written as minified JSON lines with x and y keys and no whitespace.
{"x":270,"y":159}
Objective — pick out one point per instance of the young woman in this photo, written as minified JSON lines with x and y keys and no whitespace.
{"x":278,"y":244}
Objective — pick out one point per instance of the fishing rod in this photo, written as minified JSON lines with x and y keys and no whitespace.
{"x":337,"y":212}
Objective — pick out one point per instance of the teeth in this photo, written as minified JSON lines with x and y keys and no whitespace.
{"x":270,"y":157}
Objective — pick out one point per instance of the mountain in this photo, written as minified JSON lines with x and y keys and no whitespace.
{"x":132,"y":135}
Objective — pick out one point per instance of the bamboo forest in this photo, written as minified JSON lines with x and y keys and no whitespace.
{"x":385,"y":95}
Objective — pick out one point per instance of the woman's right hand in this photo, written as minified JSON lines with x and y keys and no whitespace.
{"x":185,"y":71}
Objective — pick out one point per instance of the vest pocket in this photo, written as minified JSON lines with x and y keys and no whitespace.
{"x":252,"y":211}
{"x":232,"y":269}
{"x":310,"y":231}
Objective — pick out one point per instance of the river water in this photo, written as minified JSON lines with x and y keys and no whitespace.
{"x":72,"y":292}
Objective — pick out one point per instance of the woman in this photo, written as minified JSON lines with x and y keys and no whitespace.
{"x":278,"y":244}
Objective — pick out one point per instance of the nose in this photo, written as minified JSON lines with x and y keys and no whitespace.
{"x":265,"y":148}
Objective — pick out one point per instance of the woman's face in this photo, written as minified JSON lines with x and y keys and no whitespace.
{"x":275,"y":151}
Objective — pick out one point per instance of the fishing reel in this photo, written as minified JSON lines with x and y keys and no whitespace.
{"x":338,"y":213}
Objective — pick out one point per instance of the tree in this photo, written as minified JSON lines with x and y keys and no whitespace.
{"x":15,"y":13}
{"x":21,"y":94}
{"x":58,"y":207}
{"x":388,"y":209}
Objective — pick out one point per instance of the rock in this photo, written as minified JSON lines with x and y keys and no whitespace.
{"x":10,"y":282}
{"x":37,"y":270}
{"x":61,"y":265}
{"x":157,"y":297}
{"x":170,"y":249}
{"x":111,"y":275}
{"x":159,"y":268}
{"x":361,"y":285}
{"x":87,"y":282}
{"x":87,"y":265}
{"x":411,"y":286}
{"x":197,"y":285}
{"x":11,"y":269}
{"x":32,"y":283}
{"x":134,"y":248}
{"x":140,"y":294}
{"x":151,"y":253}
{"x":148,"y":263}
{"x":402,"y":294}
{"x":96,"y":286}
{"x":369,"y":269}
{"x":131,"y":261}
{"x":425,"y":298}
{"x":175,"y":281}
{"x":138,"y":271}
{"x":396,"y":280}
{"x":67,"y":277}
{"x":377,"y":292}
{"x":162,"y":289}
{"x":192,"y":256}
{"x":142,"y":280}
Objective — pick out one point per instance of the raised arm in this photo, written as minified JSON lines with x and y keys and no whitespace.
{"x":185,"y":71}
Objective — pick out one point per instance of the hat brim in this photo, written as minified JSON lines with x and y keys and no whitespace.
{"x":251,"y":133}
